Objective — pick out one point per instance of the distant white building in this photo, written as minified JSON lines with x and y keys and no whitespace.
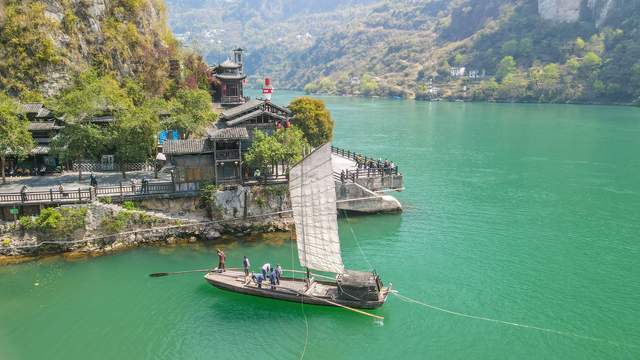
{"x":458,"y":71}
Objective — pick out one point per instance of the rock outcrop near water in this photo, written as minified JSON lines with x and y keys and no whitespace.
{"x":101,"y":228}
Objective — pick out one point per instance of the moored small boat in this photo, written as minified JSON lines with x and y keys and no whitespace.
{"x":313,"y":201}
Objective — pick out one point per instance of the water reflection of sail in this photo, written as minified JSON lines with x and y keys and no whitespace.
{"x":313,"y":199}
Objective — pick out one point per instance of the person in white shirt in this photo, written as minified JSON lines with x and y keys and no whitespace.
{"x":266,"y":269}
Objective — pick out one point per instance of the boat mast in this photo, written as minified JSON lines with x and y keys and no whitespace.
{"x":304,"y":154}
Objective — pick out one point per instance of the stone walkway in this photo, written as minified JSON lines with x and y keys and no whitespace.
{"x":340,"y":163}
{"x":69,"y":180}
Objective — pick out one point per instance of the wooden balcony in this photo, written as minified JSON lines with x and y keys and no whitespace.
{"x":233,"y":100}
{"x":228,"y":155}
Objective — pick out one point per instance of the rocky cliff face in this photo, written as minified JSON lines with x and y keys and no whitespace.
{"x":560,"y":10}
{"x":570,"y":10}
{"x":52,"y":39}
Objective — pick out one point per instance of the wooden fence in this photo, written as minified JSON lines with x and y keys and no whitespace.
{"x":367,"y":166}
{"x":82,"y":195}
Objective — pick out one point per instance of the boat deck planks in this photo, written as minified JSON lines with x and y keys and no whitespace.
{"x":290,"y":289}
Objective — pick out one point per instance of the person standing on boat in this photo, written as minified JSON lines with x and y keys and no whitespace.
{"x":266,"y":269}
{"x":273,"y":280}
{"x":245,"y":265}
{"x":221,"y":259}
{"x":278,"y":272}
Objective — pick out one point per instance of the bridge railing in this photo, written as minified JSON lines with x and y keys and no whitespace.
{"x":81,"y":195}
{"x":74,"y":196}
{"x":367,"y":166}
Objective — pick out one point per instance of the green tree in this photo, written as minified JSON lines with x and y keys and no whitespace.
{"x":292,"y":144}
{"x":513,"y":87}
{"x":579,"y":44}
{"x":191,"y":111}
{"x":313,"y":118}
{"x":458,"y":60}
{"x":264,"y":151}
{"x":507,"y":66}
{"x":635,"y":80}
{"x":80,"y":141}
{"x":15,"y":139}
{"x":368,"y":86}
{"x":510,"y":47}
{"x":591,"y":61}
{"x":91,"y":95}
{"x":135,"y":136}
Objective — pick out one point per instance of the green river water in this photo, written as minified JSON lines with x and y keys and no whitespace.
{"x":523,"y":213}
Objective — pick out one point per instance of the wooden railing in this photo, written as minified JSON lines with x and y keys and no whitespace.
{"x":82,"y":195}
{"x":227,"y":155}
{"x":367,"y":167}
{"x":233,"y":99}
{"x":72,"y":196}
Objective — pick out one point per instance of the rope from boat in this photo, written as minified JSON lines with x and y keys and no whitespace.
{"x":509,"y":323}
{"x":306,"y":321}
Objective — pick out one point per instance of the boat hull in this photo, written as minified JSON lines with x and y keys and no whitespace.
{"x":290,"y":289}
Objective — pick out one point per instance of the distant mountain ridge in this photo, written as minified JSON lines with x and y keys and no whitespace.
{"x":414,"y":48}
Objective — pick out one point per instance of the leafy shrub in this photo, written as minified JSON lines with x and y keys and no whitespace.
{"x":207,"y":190}
{"x":26,"y":222}
{"x":260,"y":201}
{"x":6,"y":242}
{"x":106,"y":200}
{"x":60,"y":222}
{"x":129,"y":205}
{"x":117,"y":223}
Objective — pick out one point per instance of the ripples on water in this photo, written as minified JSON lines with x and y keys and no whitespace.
{"x":522,"y":213}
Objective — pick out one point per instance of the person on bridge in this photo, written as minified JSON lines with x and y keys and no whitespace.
{"x":93,"y":180}
{"x":23,"y":193}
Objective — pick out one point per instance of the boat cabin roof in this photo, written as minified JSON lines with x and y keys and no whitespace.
{"x":354,"y":278}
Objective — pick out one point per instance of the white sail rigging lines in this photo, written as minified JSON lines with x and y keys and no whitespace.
{"x":313,"y":200}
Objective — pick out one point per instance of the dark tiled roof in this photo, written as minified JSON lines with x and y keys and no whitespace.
{"x":40,"y":150}
{"x":103,"y":119}
{"x":31,"y":108}
{"x":281,"y":108}
{"x":231,"y":76}
{"x":252,"y":115}
{"x":42,"y":125}
{"x":185,"y":147}
{"x":233,"y":133}
{"x":43,"y":113}
{"x":237,"y":110}
{"x":230,"y":64}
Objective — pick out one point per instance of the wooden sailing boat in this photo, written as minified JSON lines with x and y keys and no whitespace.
{"x":313,"y":199}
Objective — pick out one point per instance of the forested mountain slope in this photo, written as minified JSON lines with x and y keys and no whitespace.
{"x":44,"y":43}
{"x":527,"y":50}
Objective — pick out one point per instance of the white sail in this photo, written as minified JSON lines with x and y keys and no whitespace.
{"x":313,"y":199}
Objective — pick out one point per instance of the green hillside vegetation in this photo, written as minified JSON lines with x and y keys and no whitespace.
{"x":401,"y":48}
{"x":82,"y":69}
